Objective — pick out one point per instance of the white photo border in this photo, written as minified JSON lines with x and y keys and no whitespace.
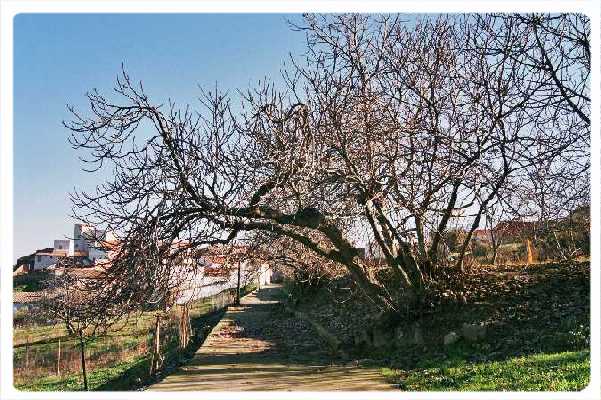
{"x":10,"y":8}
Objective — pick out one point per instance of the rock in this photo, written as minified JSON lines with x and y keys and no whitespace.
{"x":381,"y":337}
{"x":418,"y":338}
{"x":362,"y":338}
{"x":473,"y":332}
{"x":400,"y":336}
{"x":406,"y":337}
{"x":451,"y":338}
{"x":353,"y":363}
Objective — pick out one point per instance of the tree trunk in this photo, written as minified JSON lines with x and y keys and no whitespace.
{"x":83,"y":360}
{"x":155,"y":361}
{"x":494,"y":242}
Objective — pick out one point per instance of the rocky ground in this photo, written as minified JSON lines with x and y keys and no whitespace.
{"x":520,"y":309}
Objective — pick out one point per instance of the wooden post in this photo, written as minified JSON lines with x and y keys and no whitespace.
{"x":83,"y":360}
{"x":184,"y":326}
{"x":188,"y":323}
{"x":238,"y":286}
{"x":530,"y":257}
{"x":182,"y":334}
{"x":156,"y":348}
{"x":27,"y":354}
{"x":58,"y":358}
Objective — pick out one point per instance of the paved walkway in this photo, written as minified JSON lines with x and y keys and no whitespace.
{"x":258,"y":346}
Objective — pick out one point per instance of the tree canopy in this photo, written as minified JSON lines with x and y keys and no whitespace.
{"x":384,"y":132}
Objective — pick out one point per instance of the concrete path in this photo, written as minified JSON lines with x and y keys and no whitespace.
{"x":258,"y":346}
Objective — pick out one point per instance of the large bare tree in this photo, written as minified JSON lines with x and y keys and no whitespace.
{"x":384,"y":130}
{"x":555,"y":50}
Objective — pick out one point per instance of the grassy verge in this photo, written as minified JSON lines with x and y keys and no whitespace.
{"x":567,"y":371}
{"x":116,"y":361}
{"x":96,"y":378}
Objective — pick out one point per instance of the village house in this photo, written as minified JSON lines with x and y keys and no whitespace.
{"x":202,"y":272}
{"x":481,"y":235}
{"x":504,"y":230}
{"x":86,"y":248}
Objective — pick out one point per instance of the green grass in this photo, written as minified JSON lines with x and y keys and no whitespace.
{"x":74,"y":382}
{"x":128,"y":370}
{"x":566,"y":371}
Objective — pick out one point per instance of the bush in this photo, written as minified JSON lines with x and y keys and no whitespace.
{"x":297,"y":289}
{"x":479,"y":250}
{"x":31,"y":282}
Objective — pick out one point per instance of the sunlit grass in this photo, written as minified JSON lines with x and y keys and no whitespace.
{"x":73,"y":382}
{"x":567,"y":371}
{"x":117,"y":360}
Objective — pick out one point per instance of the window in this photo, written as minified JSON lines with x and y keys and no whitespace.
{"x":39,"y":258}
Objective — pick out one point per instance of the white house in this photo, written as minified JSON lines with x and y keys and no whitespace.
{"x":86,"y":248}
{"x":62,"y":244}
{"x":44,"y":259}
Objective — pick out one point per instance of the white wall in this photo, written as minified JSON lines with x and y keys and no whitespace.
{"x":96,"y":254}
{"x":199,"y":286}
{"x":264,"y":276}
{"x":62,"y":244}
{"x":43,"y":261}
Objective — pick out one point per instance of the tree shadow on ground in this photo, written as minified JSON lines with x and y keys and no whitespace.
{"x":137,"y":376}
{"x":263,"y":347}
{"x":538,"y":309}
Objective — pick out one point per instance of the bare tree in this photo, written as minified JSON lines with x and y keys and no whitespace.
{"x":555,"y":50}
{"x":298,"y":263}
{"x":384,"y":131}
{"x":66,"y":299}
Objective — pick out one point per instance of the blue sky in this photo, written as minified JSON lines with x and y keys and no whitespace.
{"x":58,"y":57}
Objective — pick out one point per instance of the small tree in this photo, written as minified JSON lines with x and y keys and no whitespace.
{"x":67,"y":300}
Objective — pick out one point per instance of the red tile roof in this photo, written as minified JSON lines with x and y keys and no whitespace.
{"x":26,"y":297}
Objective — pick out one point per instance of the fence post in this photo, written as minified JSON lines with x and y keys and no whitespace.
{"x":238,"y":286}
{"x":529,"y":252}
{"x":27,"y":354}
{"x":155,"y":361}
{"x":58,"y":358}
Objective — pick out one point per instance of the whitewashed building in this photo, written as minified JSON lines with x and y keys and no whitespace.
{"x":85,"y":248}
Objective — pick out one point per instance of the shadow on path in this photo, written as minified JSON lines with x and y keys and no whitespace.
{"x":258,"y":346}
